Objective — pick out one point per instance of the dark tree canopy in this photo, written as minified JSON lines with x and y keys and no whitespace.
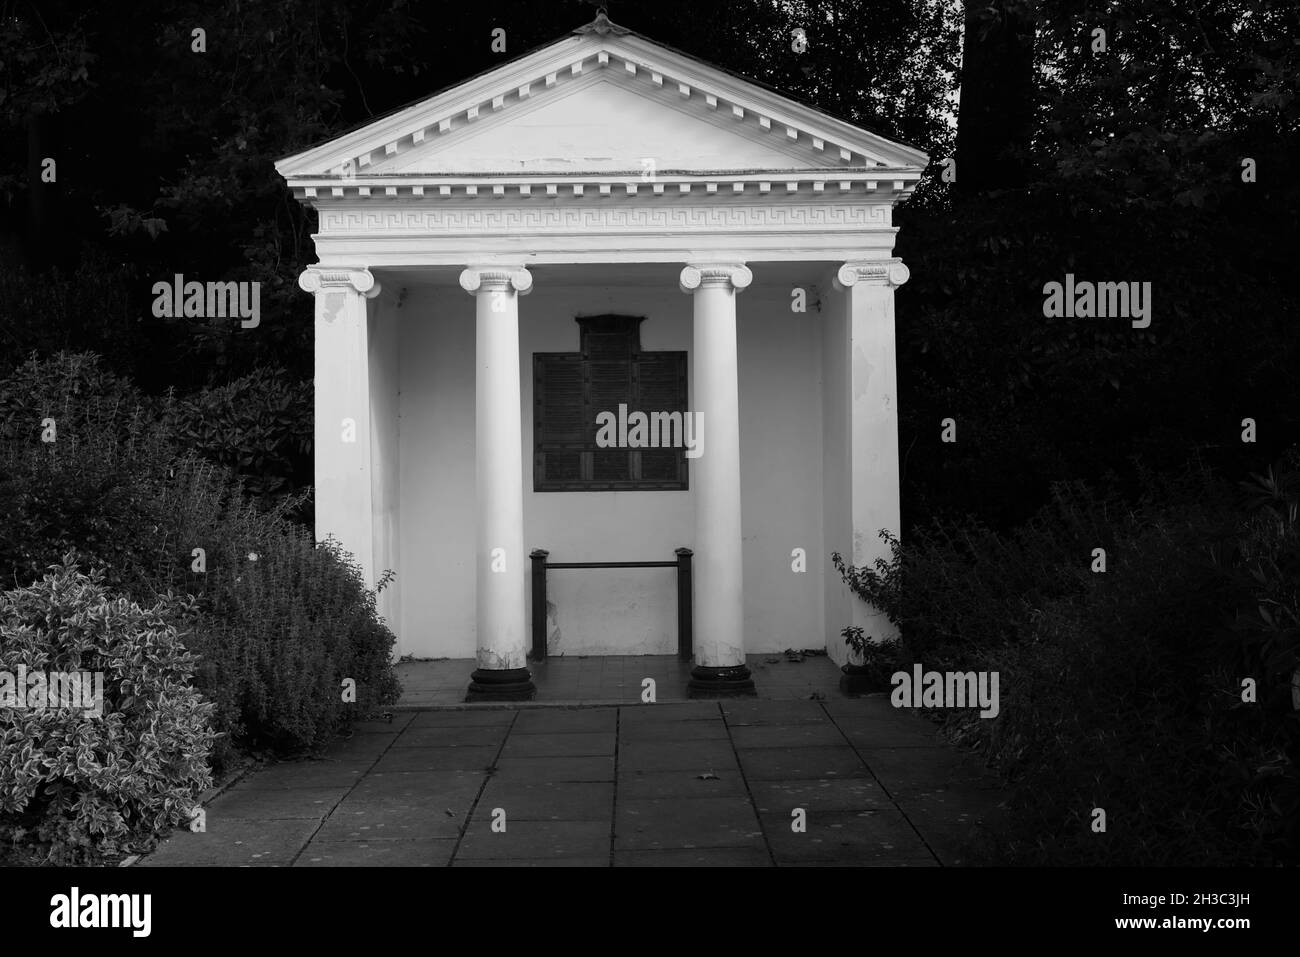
{"x":1122,"y":159}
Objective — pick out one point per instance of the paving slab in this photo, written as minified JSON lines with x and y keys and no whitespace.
{"x":673,"y":711}
{"x":642,"y":785}
{"x":689,"y":754}
{"x":454,"y":736}
{"x":711,"y":730}
{"x":788,"y":764}
{"x":809,"y":735}
{"x":544,"y":862}
{"x":433,"y":698}
{"x":395,"y":723}
{"x":694,"y":857}
{"x":869,"y":704}
{"x":835,"y":837}
{"x":687,"y":783}
{"x":552,"y":721}
{"x":574,"y":744}
{"x":702,"y":822}
{"x":554,"y":770}
{"x":874,"y":722}
{"x":359,"y":748}
{"x":230,"y":842}
{"x":428,"y":853}
{"x":959,"y":825}
{"x":746,"y":712}
{"x":929,"y":768}
{"x":276,"y":803}
{"x":892,"y":731}
{"x":304,"y":774}
{"x":463,"y":718}
{"x":592,"y":801}
{"x":824,"y":794}
{"x":890,"y":862}
{"x":536,"y":840}
{"x":439,"y":789}
{"x":368,"y":821}
{"x":468,"y":758}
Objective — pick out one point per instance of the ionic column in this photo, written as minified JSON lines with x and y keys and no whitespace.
{"x":720,"y":669}
{"x":868,"y":289}
{"x":500,"y":561}
{"x":341,"y":443}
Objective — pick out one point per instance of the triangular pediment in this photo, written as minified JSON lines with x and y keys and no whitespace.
{"x":601,"y":102}
{"x":603,"y":125}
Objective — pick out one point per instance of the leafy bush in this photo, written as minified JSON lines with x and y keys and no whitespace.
{"x":1122,"y":690}
{"x":961,"y":584}
{"x":93,"y":487}
{"x":276,"y":635}
{"x":1122,"y":698}
{"x":284,"y":627}
{"x":282,"y":620}
{"x":86,"y":785}
{"x":872,"y":659}
{"x":260,"y":426}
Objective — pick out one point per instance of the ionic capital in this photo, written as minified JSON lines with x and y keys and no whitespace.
{"x":735,"y":275}
{"x":315,"y":278}
{"x":891,"y":272}
{"x":474,"y":279}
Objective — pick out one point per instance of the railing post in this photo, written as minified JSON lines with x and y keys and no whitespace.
{"x":685,"y":615}
{"x":538,"y":555}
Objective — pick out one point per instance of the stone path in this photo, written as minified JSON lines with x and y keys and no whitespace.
{"x":701,"y":783}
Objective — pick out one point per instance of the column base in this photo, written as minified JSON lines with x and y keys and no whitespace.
{"x":507,"y":684}
{"x":730,"y":682}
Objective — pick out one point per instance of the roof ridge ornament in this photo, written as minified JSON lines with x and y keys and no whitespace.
{"x":602,"y":26}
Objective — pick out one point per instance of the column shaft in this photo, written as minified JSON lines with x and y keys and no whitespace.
{"x":342,"y":434}
{"x":873,"y":455}
{"x":500,"y":562}
{"x":720,"y":668}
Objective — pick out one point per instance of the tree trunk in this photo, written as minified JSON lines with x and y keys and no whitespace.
{"x":997,"y":97}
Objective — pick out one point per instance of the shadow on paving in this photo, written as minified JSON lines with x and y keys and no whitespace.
{"x":748,"y":783}
{"x":615,"y":679}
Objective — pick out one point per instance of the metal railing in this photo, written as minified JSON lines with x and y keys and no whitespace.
{"x":685,"y":637}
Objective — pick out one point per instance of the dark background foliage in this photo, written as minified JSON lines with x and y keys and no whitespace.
{"x":1121,"y":165}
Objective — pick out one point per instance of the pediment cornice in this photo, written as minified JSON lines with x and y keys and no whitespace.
{"x":358,"y":165}
{"x":885,"y":186}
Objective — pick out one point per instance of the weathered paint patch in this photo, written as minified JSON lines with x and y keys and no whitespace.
{"x":862,"y":372}
{"x":554,"y":637}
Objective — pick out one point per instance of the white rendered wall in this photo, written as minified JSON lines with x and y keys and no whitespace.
{"x":437,"y":544}
{"x":780,"y":466}
{"x":383,"y":343}
{"x":609,"y":611}
{"x":836,"y":503}
{"x":631,"y":611}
